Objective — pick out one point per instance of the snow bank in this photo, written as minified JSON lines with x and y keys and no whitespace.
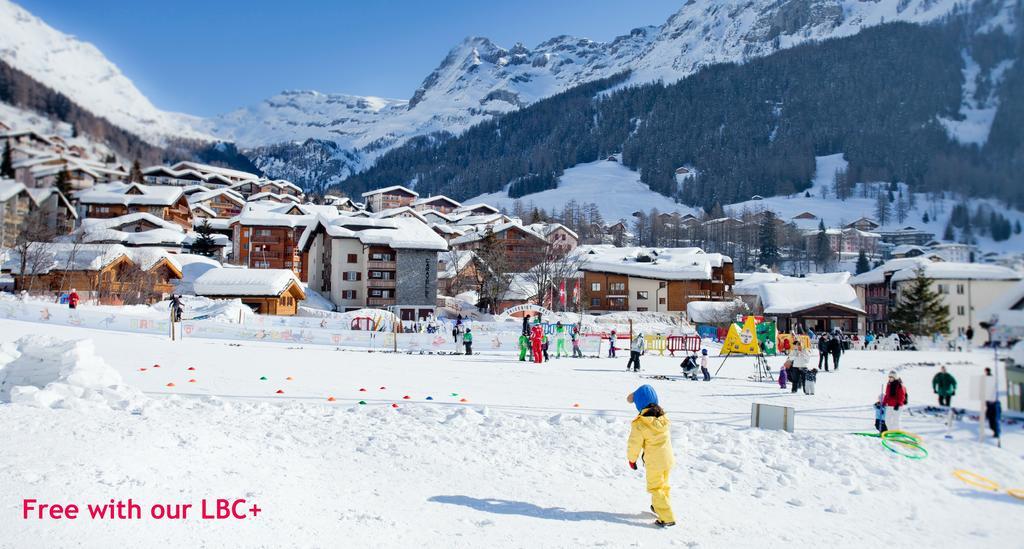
{"x":52,"y":373}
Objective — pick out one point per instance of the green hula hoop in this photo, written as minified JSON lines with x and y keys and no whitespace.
{"x":902,"y":439}
{"x":876,"y":435}
{"x":922,"y":455}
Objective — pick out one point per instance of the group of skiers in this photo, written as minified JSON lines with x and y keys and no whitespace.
{"x":797,"y":371}
{"x":534,"y":342}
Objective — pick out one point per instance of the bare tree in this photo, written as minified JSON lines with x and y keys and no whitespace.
{"x":495,"y":271}
{"x":32,"y":246}
{"x":557,"y":267}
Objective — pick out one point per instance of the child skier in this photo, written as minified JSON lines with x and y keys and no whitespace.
{"x":650,"y":439}
{"x":576,"y":352}
{"x":467,"y":340}
{"x":524,"y":347}
{"x":560,"y":340}
{"x":810,"y":376}
{"x":704,"y":364}
{"x":611,"y":345}
{"x":536,"y":342}
{"x":880,"y":417}
{"x":545,"y":343}
{"x":783,"y":377}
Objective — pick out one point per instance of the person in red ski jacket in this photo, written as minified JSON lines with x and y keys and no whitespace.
{"x":894,"y":398}
{"x":73,"y":299}
{"x":536,"y":341}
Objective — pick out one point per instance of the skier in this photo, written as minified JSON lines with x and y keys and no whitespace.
{"x":880,"y":417}
{"x":73,"y":299}
{"x":560,"y":340}
{"x":536,"y":342}
{"x":526,"y":325}
{"x":611,"y":344}
{"x":455,"y":334}
{"x":784,"y":375}
{"x":944,"y":385}
{"x":467,"y":340}
{"x":545,"y":343}
{"x":176,"y":307}
{"x":650,"y":439}
{"x":524,"y":347}
{"x":835,"y":348}
{"x":823,"y":351}
{"x":704,"y":364}
{"x":894,"y":398}
{"x":993,"y":408}
{"x":575,"y":334}
{"x":969,"y":334}
{"x":809,"y":378}
{"x":636,"y":348}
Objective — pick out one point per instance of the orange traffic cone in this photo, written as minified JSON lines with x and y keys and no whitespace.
{"x":170,"y":385}
{"x":330,"y":399}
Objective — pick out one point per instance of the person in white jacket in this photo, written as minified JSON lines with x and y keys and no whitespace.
{"x":799,"y":359}
{"x":636,"y":348}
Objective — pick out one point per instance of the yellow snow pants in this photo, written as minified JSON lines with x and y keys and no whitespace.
{"x":657,"y":486}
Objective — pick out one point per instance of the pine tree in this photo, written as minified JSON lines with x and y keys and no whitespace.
{"x":902,"y":208}
{"x":7,"y":165}
{"x":135,"y":176}
{"x":63,"y":182}
{"x":204,"y":243}
{"x":882,"y":208}
{"x":863,"y":265}
{"x":948,"y":233}
{"x":920,"y":310}
{"x":1016,"y":227}
{"x":768,"y":247}
{"x":823,"y":249}
{"x":924,"y":218}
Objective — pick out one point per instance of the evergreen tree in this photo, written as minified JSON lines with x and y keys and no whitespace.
{"x":822,"y":248}
{"x":924,"y":218}
{"x":135,"y":176}
{"x":1016,"y":227}
{"x":204,"y":243}
{"x":948,"y":233}
{"x":882,"y":208}
{"x":902,"y":208}
{"x":920,"y":310}
{"x":768,"y":247}
{"x":63,"y":182}
{"x":863,"y":265}
{"x":7,"y":165}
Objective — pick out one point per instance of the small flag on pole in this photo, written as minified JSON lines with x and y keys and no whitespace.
{"x":561,"y":294}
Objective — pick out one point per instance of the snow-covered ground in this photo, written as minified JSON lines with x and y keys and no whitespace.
{"x":517,"y":464}
{"x":615,"y":189}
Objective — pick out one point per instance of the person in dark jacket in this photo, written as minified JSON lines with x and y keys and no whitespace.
{"x":823,"y":351}
{"x":810,"y":377}
{"x":467,"y":340}
{"x":880,"y":417}
{"x":526,"y":325}
{"x":835,"y":348}
{"x":944,"y":385}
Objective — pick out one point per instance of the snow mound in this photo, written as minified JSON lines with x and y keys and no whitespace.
{"x":52,"y":373}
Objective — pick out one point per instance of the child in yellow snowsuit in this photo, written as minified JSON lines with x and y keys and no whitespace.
{"x":649,"y":435}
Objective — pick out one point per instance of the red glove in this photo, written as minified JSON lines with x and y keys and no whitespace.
{"x":632,"y":465}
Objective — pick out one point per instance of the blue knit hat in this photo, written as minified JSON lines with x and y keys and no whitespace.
{"x":644,"y":396}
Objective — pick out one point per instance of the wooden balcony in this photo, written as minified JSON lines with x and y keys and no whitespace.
{"x":380,"y":301}
{"x":380,"y":265}
{"x":380,"y":283}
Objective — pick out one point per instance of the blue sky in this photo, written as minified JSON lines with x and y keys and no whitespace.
{"x":208,"y":57}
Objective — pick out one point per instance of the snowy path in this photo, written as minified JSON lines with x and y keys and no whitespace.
{"x":517,"y":466}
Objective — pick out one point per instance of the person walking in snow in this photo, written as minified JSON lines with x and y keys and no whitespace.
{"x":575,"y":334}
{"x":560,"y":340}
{"x":526,"y":325}
{"x":611,"y":344}
{"x":704,"y":365}
{"x":524,"y":347}
{"x":636,"y":348}
{"x":944,"y":385}
{"x":455,"y":334}
{"x":835,"y":348}
{"x":545,"y":342}
{"x":467,"y":340}
{"x":650,"y":440}
{"x":784,"y":375}
{"x":810,"y":377}
{"x":993,"y":408}
{"x":823,"y":351}
{"x":894,"y":398}
{"x":73,"y":299}
{"x":176,"y":307}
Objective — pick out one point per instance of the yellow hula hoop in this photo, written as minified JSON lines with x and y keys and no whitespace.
{"x":1015,"y":492}
{"x":905,"y":433}
{"x":977,"y":480}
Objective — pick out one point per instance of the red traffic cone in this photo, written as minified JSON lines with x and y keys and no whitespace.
{"x":382,"y":387}
{"x":191,"y":381}
{"x":191,"y":368}
{"x":406,"y":397}
{"x":142,"y":369}
{"x":331,"y":399}
{"x":463,"y":400}
{"x":280,"y":392}
{"x":362,"y":390}
{"x":156,"y":365}
{"x":394,"y":406}
{"x":170,"y":385}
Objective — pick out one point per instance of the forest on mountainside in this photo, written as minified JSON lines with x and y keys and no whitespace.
{"x":754,"y":128}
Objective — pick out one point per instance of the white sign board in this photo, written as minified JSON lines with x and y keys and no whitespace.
{"x":768,"y":416}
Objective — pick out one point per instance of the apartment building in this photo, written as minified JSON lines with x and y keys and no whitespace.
{"x":395,"y":196}
{"x":117,"y":199}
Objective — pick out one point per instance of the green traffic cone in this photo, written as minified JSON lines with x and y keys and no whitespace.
{"x":362,"y":402}
{"x":263,"y":378}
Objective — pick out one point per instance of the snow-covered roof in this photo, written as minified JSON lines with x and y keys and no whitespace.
{"x":9,"y":188}
{"x":712,"y":312}
{"x":390,"y":189}
{"x":229,"y":194}
{"x":1008,"y":308}
{"x":206,"y":168}
{"x":655,"y":263}
{"x":436,"y":198}
{"x":877,"y":275}
{"x":396,"y":232}
{"x":547,"y":228}
{"x":451,"y":263}
{"x":481,"y":233}
{"x":470,"y":207}
{"x":783,"y":295}
{"x":118,"y":193}
{"x":41,"y":194}
{"x":273,"y":216}
{"x":267,"y":195}
{"x":88,"y":257}
{"x":95,"y":224}
{"x":245,"y":282}
{"x":947,"y":270}
{"x":405,"y":211}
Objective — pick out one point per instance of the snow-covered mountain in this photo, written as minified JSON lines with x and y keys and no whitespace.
{"x":478,"y":79}
{"x":81,"y":72}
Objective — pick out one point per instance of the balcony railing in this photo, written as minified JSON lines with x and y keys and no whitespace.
{"x":380,"y":264}
{"x":380,"y":283}
{"x":380,"y":301}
